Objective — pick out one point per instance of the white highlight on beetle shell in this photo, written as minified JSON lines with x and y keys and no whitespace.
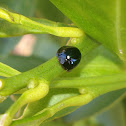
{"x":68,"y":57}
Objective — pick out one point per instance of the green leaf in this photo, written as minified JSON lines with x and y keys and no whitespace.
{"x":45,"y":70}
{"x":97,"y":62}
{"x":96,"y":106}
{"x":7,"y":71}
{"x":21,"y":63}
{"x":94,"y":67}
{"x":124,"y":105}
{"x":62,"y":113}
{"x":105,"y":57}
{"x":17,"y":62}
{"x":114,"y":116}
{"x":57,"y":122}
{"x":22,"y":6}
{"x":51,"y":111}
{"x":7,"y":45}
{"x":54,"y":14}
{"x":54,"y":96}
{"x":87,"y":122}
{"x":5,"y":105}
{"x":102,"y":20}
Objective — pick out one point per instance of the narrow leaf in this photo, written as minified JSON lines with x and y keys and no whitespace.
{"x":7,"y":71}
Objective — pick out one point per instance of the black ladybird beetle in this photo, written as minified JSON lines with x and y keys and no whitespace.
{"x":68,"y":57}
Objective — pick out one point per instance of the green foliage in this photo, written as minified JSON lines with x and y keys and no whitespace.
{"x":113,"y":116}
{"x":95,"y":106}
{"x":102,"y":20}
{"x":48,"y":91}
{"x":7,"y":71}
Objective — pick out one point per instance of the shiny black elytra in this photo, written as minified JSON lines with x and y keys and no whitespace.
{"x":68,"y":57}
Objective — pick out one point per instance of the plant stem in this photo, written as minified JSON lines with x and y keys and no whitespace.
{"x":50,"y":111}
{"x":30,"y":95}
{"x":22,"y":20}
{"x":48,"y":71}
{"x":89,"y":81}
